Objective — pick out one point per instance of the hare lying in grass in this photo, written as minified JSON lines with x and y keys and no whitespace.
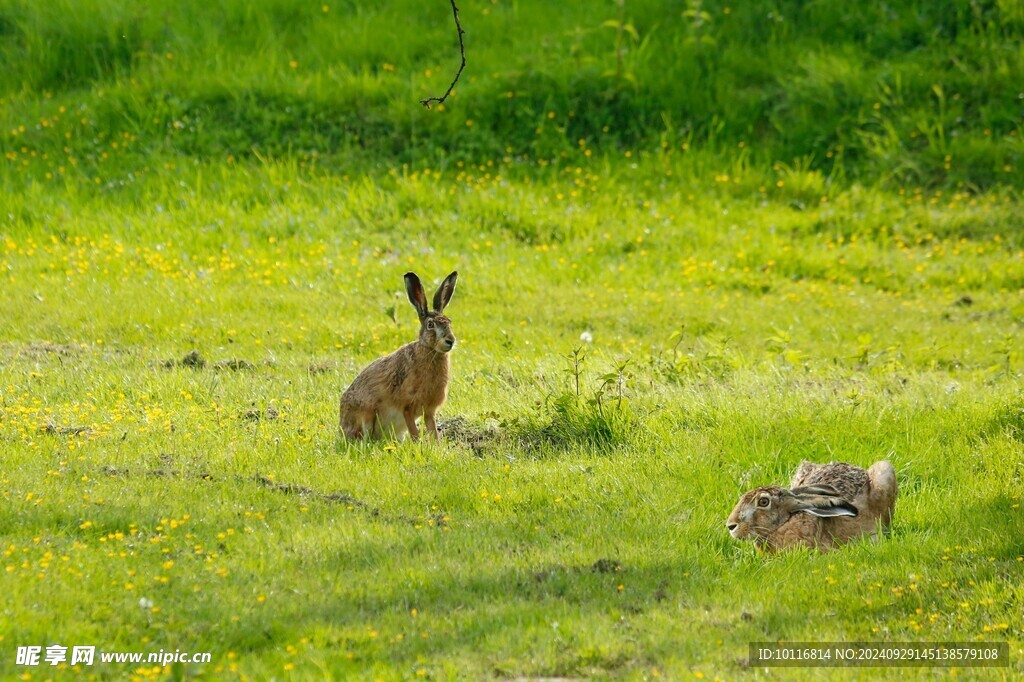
{"x":393,"y":391}
{"x":826,"y":505}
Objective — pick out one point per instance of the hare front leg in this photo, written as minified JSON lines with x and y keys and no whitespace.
{"x":431,"y":426}
{"x":410,"y":423}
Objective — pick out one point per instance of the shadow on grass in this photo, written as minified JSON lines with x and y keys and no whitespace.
{"x":558,"y":426}
{"x":548,"y":434}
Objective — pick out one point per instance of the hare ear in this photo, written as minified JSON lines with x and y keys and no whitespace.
{"x":824,"y":506}
{"x":817,"y":489}
{"x":845,"y":509}
{"x":416,"y":296}
{"x":445,"y":291}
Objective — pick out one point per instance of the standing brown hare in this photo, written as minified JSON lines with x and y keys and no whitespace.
{"x":394,"y":391}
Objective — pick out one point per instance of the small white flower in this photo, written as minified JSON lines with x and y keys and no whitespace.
{"x":586,"y":337}
{"x":145,"y":603}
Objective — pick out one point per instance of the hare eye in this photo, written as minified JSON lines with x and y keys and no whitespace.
{"x":763,"y":502}
{"x":430,"y":324}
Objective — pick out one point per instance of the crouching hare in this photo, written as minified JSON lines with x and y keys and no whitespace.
{"x":826,"y":505}
{"x":394,"y":391}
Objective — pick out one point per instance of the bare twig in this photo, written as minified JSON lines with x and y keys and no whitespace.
{"x":462,"y":51}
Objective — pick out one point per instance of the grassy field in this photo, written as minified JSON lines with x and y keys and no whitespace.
{"x":206,"y":219}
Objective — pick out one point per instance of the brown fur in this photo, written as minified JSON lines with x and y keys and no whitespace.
{"x":814,"y":512}
{"x":389,"y":395}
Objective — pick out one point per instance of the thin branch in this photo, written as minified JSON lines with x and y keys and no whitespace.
{"x":462,"y":51}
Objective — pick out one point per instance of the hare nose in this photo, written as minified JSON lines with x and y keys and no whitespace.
{"x":731,"y":526}
{"x":450,"y":342}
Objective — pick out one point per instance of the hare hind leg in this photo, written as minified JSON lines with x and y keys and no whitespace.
{"x":883,"y":491}
{"x":355,"y":424}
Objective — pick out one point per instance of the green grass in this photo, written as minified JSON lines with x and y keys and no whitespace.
{"x":833,"y":332}
{"x":206,"y":218}
{"x":920,"y":93}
